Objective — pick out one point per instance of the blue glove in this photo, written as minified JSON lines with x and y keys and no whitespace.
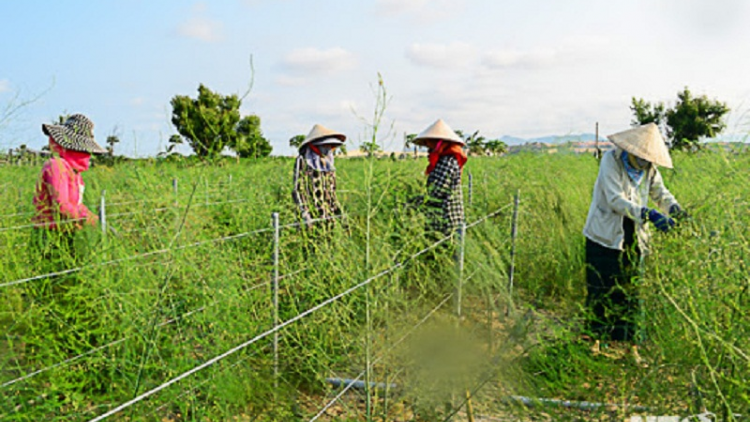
{"x":676,"y":212}
{"x":662,"y":222}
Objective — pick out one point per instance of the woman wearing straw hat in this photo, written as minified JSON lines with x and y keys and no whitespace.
{"x":315,"y":175}
{"x":59,"y":192}
{"x":616,"y":227}
{"x":445,"y":205}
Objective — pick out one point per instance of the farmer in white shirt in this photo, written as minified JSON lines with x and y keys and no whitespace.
{"x":617,"y":229}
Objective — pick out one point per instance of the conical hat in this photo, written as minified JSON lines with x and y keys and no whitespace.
{"x":438,"y":130}
{"x":320,"y":132}
{"x":77,"y":134}
{"x":644,"y":142}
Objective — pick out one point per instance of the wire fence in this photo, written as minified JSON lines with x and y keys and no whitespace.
{"x":104,"y":216}
{"x":278,"y":326}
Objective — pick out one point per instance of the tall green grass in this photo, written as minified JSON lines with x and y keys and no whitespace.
{"x":175,"y":310}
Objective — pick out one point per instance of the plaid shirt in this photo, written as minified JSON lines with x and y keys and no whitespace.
{"x":314,"y":191}
{"x":445,"y":203}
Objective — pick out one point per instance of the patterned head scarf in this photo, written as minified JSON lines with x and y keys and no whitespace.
{"x":319,"y":156}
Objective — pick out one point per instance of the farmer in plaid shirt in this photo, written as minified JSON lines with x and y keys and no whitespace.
{"x":444,"y":202}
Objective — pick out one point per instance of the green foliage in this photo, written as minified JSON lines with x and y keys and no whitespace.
{"x":211,"y":123}
{"x":688,"y":121}
{"x":249,"y":141}
{"x":176,"y":310}
{"x":475,"y":143}
{"x":207,"y":122}
{"x":370,"y":147}
{"x":496,"y":147}
{"x":296,"y":140}
{"x":693,"y":118}
{"x":645,"y":112}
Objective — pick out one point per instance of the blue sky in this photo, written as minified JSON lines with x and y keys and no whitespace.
{"x":522,"y":68}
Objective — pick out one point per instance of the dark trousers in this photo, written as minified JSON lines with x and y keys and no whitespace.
{"x":612,"y":298}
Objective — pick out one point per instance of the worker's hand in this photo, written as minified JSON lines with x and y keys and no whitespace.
{"x":92,"y":220}
{"x":661,"y":221}
{"x":676,"y":212}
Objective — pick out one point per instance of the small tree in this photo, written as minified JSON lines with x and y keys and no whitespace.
{"x":496,"y":147}
{"x":112,"y":140}
{"x":370,"y":147}
{"x":693,"y":118}
{"x":208,"y":122}
{"x":645,"y":112}
{"x":249,"y":141}
{"x":296,"y":140}
{"x":174,"y":141}
{"x":474,"y":142}
{"x":690,"y":120}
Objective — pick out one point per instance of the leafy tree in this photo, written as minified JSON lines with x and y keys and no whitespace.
{"x":249,"y":141}
{"x":370,"y":147}
{"x":209,"y":122}
{"x":296,"y":140}
{"x":496,"y":147}
{"x":112,"y":140}
{"x":645,"y":112}
{"x":474,"y":142}
{"x":174,"y":140}
{"x":691,"y":118}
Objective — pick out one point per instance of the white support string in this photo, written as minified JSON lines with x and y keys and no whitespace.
{"x":488,"y":216}
{"x":165,"y":250}
{"x":116,"y":342}
{"x":206,"y":381}
{"x":263,"y":335}
{"x":133,"y":257}
{"x":41,"y":225}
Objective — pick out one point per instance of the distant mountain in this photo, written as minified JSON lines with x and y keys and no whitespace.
{"x":554,"y":139}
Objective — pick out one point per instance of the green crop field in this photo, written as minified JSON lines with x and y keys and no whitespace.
{"x":179,"y":289}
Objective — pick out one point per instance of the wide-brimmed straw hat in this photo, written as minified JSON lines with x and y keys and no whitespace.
{"x":321,"y":135}
{"x":77,"y":134}
{"x":644,"y":142}
{"x":438,"y":131}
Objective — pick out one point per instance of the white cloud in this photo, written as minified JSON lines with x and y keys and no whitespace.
{"x":201,"y":29}
{"x":4,"y":85}
{"x":316,"y":61}
{"x":574,"y":50}
{"x":286,"y":80}
{"x":451,"y":55}
{"x":516,"y":59}
{"x":420,"y":10}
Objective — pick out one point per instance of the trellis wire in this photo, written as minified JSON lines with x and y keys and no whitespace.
{"x":121,"y":203}
{"x":266,"y":333}
{"x":116,"y":342}
{"x":276,"y":328}
{"x":157,"y":252}
{"x":133,"y":257}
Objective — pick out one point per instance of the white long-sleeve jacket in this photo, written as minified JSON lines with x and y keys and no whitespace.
{"x":616,"y":196}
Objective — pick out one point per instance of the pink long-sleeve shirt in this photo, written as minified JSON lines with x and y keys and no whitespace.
{"x":59,"y":195}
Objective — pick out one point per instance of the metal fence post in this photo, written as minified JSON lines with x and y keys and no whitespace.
{"x":103,"y":213}
{"x":275,"y":292}
{"x":513,"y":235}
{"x":174,"y":189}
{"x":459,"y":281}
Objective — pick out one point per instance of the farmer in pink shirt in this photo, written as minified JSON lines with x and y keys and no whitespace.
{"x":59,"y":192}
